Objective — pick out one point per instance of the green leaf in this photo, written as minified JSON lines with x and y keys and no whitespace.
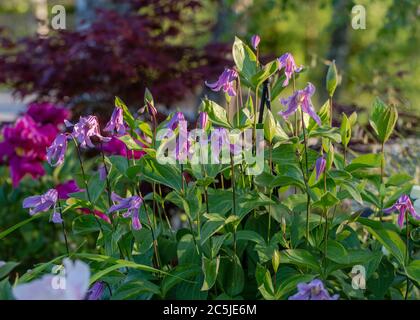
{"x":266,"y":72}
{"x":330,"y":133}
{"x":216,"y":113}
{"x":210,"y":269}
{"x":85,"y":224}
{"x":168,"y":175}
{"x":332,"y":79}
{"x":365,"y":161}
{"x":128,"y":117}
{"x":299,"y":257}
{"x":96,"y":187}
{"x":270,"y":126}
{"x":345,"y":131}
{"x":327,"y":200}
{"x":413,"y":271}
{"x":388,"y":238}
{"x":249,"y":235}
{"x":148,"y":97}
{"x":245,"y":60}
{"x":383,"y":119}
{"x":6,"y":268}
{"x":133,"y":289}
{"x":177,"y":275}
{"x":231,"y":275}
{"x":130,"y":142}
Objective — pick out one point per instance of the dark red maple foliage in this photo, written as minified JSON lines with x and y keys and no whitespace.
{"x":120,"y":53}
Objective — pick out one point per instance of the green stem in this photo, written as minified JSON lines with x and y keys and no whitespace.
{"x":382,"y":180}
{"x":407,"y":252}
{"x":233,"y":198}
{"x":64,"y":228}
{"x":86,"y":184}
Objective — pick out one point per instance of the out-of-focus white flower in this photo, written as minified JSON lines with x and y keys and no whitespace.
{"x":70,"y":284}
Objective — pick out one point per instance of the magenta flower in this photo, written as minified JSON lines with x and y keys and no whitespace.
{"x":314,"y":290}
{"x":225,"y":82}
{"x":131,"y":204}
{"x":87,"y":129}
{"x":57,"y":151}
{"x":21,"y":166}
{"x":175,"y":120}
{"x":402,"y":205}
{"x":287,"y":62}
{"x":255,"y":41}
{"x":320,"y":166}
{"x":96,"y":291}
{"x":47,"y":114}
{"x":116,"y":123}
{"x":301,"y":98}
{"x":117,"y":147}
{"x":203,"y":120}
{"x":65,"y":189}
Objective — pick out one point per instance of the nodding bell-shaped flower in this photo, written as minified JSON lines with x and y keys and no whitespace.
{"x":402,"y":205}
{"x":287,"y":62}
{"x":87,"y":129}
{"x":255,"y":41}
{"x":57,"y":151}
{"x":313,"y":290}
{"x":42,"y":203}
{"x":203,"y":120}
{"x":116,"y":123}
{"x":225,"y":82}
{"x":301,"y":98}
{"x":131,"y":204}
{"x":174,"y":121}
{"x":320,"y":166}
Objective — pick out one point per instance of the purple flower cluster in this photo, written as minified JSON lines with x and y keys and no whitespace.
{"x":313,"y":290}
{"x":25,"y":142}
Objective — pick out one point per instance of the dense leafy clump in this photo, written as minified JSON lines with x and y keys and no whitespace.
{"x":306,"y":219}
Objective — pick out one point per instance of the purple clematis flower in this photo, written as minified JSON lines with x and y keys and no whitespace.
{"x":225,"y":82}
{"x":402,"y":205}
{"x":175,"y":120}
{"x":131,"y":204}
{"x":287,"y":62}
{"x":57,"y":151}
{"x":301,"y":98}
{"x":102,"y":172}
{"x":313,"y":290}
{"x":203,"y":120}
{"x":96,"y":291}
{"x":255,"y":41}
{"x":116,"y":123}
{"x":320,"y":166}
{"x":85,"y":130}
{"x":41,"y":203}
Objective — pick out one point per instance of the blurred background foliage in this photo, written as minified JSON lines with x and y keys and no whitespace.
{"x":380,"y":60}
